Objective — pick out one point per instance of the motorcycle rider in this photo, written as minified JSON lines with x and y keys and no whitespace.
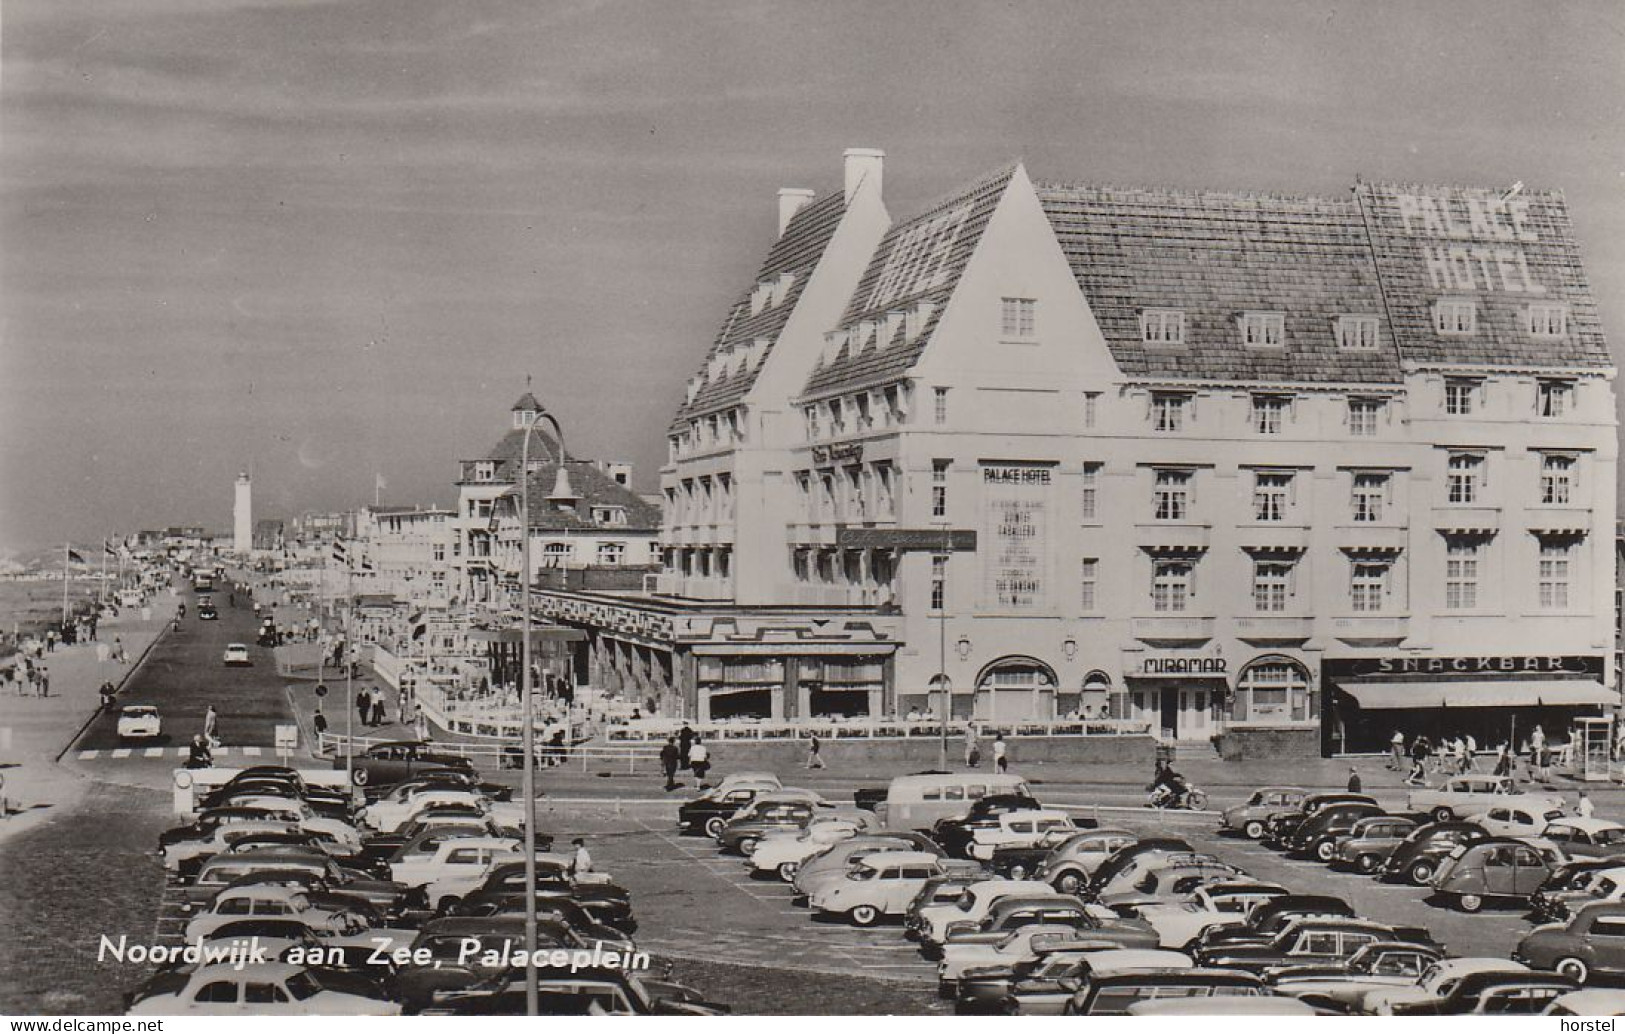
{"x":1168,"y":788}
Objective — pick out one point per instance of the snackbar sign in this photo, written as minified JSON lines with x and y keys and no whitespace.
{"x":1493,"y":229}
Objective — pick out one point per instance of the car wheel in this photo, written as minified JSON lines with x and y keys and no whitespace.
{"x":360,"y":777}
{"x":864,"y":915}
{"x":787,"y":871}
{"x":448,"y":905}
{"x":713,"y":827}
{"x":1421,"y":872}
{"x":1367,"y":863}
{"x":1018,"y":871}
{"x":1068,"y":882}
{"x":1443,"y":814}
{"x":1573,"y":968}
{"x":1254,"y":830}
{"x":1325,"y":851}
{"x":1470,"y":903}
{"x":747,"y":846}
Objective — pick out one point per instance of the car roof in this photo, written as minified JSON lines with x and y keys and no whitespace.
{"x":899,"y":858}
{"x":236,"y":646}
{"x":1250,"y":1005}
{"x":1478,"y":964}
{"x":261,"y":970}
{"x":128,"y":708}
{"x":1588,"y":825}
{"x":1038,"y":813}
{"x":1123,"y":960}
{"x":497,"y":924}
{"x":1593,"y":1001}
{"x":1612,"y":908}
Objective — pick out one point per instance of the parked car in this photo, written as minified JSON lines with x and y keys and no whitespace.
{"x":1366,"y":846}
{"x":1174,"y":880}
{"x":1131,"y":874}
{"x":1005,"y":947}
{"x":1317,"y":835}
{"x":773,"y":812}
{"x":1492,"y":869}
{"x":1338,"y":985}
{"x":1601,"y":885}
{"x":1048,"y":983}
{"x":1112,"y":994}
{"x":956,"y":832}
{"x":919,"y":802}
{"x":1435,"y":982}
{"x":461,"y":865}
{"x":1588,"y":1001}
{"x":781,"y":854}
{"x":139,"y":722}
{"x":1577,"y":874}
{"x":1494,"y":994}
{"x":938,"y":890}
{"x":1025,"y":828}
{"x":1224,"y":903}
{"x":1281,"y":824}
{"x":388,"y":814}
{"x":262,"y":989}
{"x":1308,"y":941}
{"x":451,"y":966}
{"x":236,"y":655}
{"x":1591,"y":944}
{"x":831,"y":864}
{"x":970,"y":905}
{"x":387,"y":763}
{"x":1050,"y":954}
{"x":1221,"y":1005}
{"x":1268,"y":919}
{"x":1470,"y":794}
{"x":1417,"y":857}
{"x":573,"y":991}
{"x":183,"y":856}
{"x":1518,"y":819}
{"x":268,"y":900}
{"x":1586,"y":837}
{"x":879,"y":886}
{"x":710,"y":811}
{"x":1115,"y":862}
{"x":1249,"y":817}
{"x":1066,"y":864}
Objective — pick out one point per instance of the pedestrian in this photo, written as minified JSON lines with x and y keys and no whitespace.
{"x":198,"y":754}
{"x":1355,"y":786}
{"x":814,"y":758}
{"x":50,"y":640}
{"x":1001,"y":755}
{"x":1396,"y":748}
{"x":1585,"y":809}
{"x":668,"y":762}
{"x":319,"y":720}
{"x":211,"y":727}
{"x":44,"y":681}
{"x":420,"y":720}
{"x":1472,"y":754}
{"x":973,"y":749}
{"x":685,"y":741}
{"x":1543,"y":762}
{"x":1503,"y":760}
{"x":377,"y":707}
{"x":581,"y":864}
{"x":362,"y":706}
{"x":118,"y":650}
{"x":699,"y":760}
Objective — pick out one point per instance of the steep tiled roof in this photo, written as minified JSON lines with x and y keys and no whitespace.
{"x":592,"y":488}
{"x":510,"y":447}
{"x":527,"y":401}
{"x":1504,"y":243}
{"x":917,"y":261}
{"x":1215,"y":256}
{"x":796,"y":252}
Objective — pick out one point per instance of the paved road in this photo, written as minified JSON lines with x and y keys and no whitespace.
{"x":184,"y":675}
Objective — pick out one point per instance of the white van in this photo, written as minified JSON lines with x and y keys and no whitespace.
{"x":920,"y":801}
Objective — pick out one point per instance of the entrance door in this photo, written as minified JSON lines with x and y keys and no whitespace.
{"x":1193,"y":713}
{"x":1170,"y":711}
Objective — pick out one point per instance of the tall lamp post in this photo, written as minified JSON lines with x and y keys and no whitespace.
{"x":561,"y":491}
{"x":942,"y":653}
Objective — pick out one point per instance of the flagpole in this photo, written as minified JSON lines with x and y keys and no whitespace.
{"x":66,"y":549}
{"x":101,"y":590}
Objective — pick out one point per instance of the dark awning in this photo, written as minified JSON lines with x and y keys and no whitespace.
{"x":1393,"y":696}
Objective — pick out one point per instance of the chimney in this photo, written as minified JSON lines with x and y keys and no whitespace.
{"x":863,"y":163}
{"x":791,"y":201}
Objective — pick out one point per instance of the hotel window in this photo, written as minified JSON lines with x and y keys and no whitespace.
{"x":813,"y":428}
{"x":610,"y":554}
{"x":1455,"y":316}
{"x":1088,"y":580}
{"x":1553,"y":398}
{"x":939,"y":487}
{"x":1460,"y":395}
{"x":837,"y":417}
{"x":1357,"y":333}
{"x":557,"y":554}
{"x":857,"y":505}
{"x":1263,"y":329}
{"x":1556,"y":479}
{"x":1269,"y":413}
{"x":1171,"y":495}
{"x":1555,"y":555}
{"x":1091,"y":407}
{"x":1461,"y":572}
{"x":1271,"y":495}
{"x":1017,"y":319}
{"x":939,"y":581}
{"x":1170,"y":585}
{"x":1168,"y":411}
{"x":826,"y":495}
{"x":940,"y":412}
{"x":1363,"y":414}
{"x":804,"y":492}
{"x":439,"y":551}
{"x":1090,"y":498}
{"x":1464,"y":477}
{"x":1271,"y":585}
{"x":1546,"y":320}
{"x":1370,"y":492}
{"x":1368,"y":585}
{"x":1162,"y":327}
{"x":1274,"y":690}
{"x":883,"y":479}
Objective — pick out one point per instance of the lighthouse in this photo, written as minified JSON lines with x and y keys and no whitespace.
{"x":243,"y":516}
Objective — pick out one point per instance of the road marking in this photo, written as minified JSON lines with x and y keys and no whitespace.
{"x":253,"y":752}
{"x":88,"y":755}
{"x":122,"y":752}
{"x":155,"y":752}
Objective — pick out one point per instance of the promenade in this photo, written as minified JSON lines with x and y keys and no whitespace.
{"x":35,"y":730}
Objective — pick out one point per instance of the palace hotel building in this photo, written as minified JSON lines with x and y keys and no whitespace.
{"x":1253,"y":466}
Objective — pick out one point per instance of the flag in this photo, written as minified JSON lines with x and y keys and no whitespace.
{"x":379,"y":483}
{"x":107,"y":547}
{"x":74,"y":557}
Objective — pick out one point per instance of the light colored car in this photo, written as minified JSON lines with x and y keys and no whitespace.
{"x":1020,"y":945}
{"x":1470,"y":794}
{"x":270,"y":901}
{"x":1226,"y":903}
{"x":178,"y":852}
{"x":832,"y":863}
{"x":1070,"y":863}
{"x":1222,"y":1005}
{"x":236,"y":655}
{"x":451,"y":887}
{"x":1516,"y":819}
{"x":1589,"y":1001}
{"x":881,"y":885}
{"x":389,"y":814}
{"x":1250,"y":816}
{"x":973,"y":903}
{"x":1132,"y":873}
{"x":781,"y":854}
{"x":295,"y":812}
{"x":1586,"y":838}
{"x":1020,"y":829}
{"x":260,"y":989}
{"x":139,"y":722}
{"x":456,"y":856}
{"x":1437,"y":981}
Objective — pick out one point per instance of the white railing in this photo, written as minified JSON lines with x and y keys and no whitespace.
{"x":510,"y":755}
{"x":656,"y":730}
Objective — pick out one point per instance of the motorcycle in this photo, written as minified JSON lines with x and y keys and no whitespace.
{"x":1187,"y":797}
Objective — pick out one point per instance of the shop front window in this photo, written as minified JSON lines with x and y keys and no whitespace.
{"x":1274,"y":690}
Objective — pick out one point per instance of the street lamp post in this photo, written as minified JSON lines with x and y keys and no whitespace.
{"x":528,"y":727}
{"x":942,"y":655}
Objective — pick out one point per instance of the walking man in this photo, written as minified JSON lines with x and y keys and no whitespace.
{"x":699,"y":760}
{"x":1585,"y":809}
{"x":814,"y":758}
{"x":361,"y":706}
{"x":973,"y":749}
{"x":1001,"y":753}
{"x":44,"y":681}
{"x":1396,"y":748}
{"x":685,"y":740}
{"x":582,"y":863}
{"x":211,"y":727}
{"x":668,"y":762}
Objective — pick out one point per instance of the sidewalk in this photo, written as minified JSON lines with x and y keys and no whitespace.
{"x":34,"y":730}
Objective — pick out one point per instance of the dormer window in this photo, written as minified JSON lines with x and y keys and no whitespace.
{"x":485,"y":470}
{"x":1547,"y":320}
{"x":759,"y":298}
{"x":1162,"y":326}
{"x":1018,"y":318}
{"x":1357,"y":333}
{"x":1455,"y":316}
{"x":781,"y":287}
{"x":1263,"y":329}
{"x":1553,"y":397}
{"x":1460,"y":395}
{"x":916,"y":319}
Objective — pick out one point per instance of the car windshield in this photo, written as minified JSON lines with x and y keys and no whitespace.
{"x":140,"y":712}
{"x":303,"y":985}
{"x":863,"y":872}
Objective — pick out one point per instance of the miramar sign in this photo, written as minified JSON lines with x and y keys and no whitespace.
{"x":1186,"y":666}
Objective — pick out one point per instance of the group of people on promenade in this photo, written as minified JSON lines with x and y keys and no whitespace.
{"x":1459,"y":755}
{"x":687,"y":750}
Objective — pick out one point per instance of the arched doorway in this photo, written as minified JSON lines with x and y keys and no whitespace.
{"x":1015,"y":689}
{"x":1274,"y":689}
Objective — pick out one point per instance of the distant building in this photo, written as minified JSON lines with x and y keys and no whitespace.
{"x":405,"y":553}
{"x":268,"y":535}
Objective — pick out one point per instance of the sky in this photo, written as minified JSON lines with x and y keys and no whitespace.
{"x":327,"y":240}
